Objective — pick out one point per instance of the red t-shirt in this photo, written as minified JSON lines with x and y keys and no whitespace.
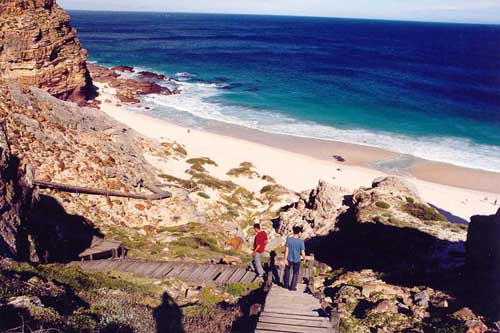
{"x":260,"y":241}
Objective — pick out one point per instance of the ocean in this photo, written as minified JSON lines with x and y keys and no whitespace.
{"x":431,"y":90}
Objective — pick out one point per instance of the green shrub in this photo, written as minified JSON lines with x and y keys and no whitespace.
{"x":203,"y":195}
{"x":410,"y":200}
{"x":201,"y":161}
{"x":212,"y":182}
{"x":423,"y":212}
{"x":240,"y":289}
{"x":382,"y":204}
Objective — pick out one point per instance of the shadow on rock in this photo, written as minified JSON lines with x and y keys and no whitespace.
{"x":405,"y":256}
{"x":57,"y":235}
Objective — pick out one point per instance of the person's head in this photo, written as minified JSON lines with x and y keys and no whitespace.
{"x":256,"y":227}
{"x":297,"y":230}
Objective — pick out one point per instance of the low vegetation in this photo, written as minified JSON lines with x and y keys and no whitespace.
{"x":423,"y":212}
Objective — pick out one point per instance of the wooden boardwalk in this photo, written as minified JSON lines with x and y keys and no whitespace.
{"x":293,"y":312}
{"x":189,"y":272}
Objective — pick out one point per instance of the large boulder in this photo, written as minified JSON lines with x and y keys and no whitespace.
{"x":38,"y":47}
{"x":317,"y":211}
{"x":15,"y":201}
{"x":483,"y":261}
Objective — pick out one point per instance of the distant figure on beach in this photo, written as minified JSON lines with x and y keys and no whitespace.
{"x":295,"y":251}
{"x":259,"y":246}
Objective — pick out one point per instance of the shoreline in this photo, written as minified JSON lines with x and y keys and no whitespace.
{"x":299,"y":163}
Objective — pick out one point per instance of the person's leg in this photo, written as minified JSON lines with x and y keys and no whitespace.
{"x":295,"y":278}
{"x":286,"y":276}
{"x":257,"y":262}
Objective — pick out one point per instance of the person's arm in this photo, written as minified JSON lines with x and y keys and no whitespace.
{"x":286,"y":255}
{"x":303,"y":251}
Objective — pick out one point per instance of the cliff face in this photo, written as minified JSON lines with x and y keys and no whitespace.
{"x":39,"y":48}
{"x":15,"y":200}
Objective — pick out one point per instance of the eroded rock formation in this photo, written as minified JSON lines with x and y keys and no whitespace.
{"x":316,"y":211}
{"x":38,"y":47}
{"x":15,"y":201}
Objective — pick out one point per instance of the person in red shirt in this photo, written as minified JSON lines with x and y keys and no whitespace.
{"x":259,"y":246}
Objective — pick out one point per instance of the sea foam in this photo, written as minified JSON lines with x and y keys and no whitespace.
{"x":202,"y":100}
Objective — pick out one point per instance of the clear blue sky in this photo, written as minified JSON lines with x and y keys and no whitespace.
{"x":470,"y":11}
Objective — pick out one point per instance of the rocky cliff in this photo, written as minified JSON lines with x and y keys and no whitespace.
{"x":39,"y":48}
{"x":15,"y":201}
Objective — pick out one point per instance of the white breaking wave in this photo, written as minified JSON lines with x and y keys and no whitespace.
{"x":198,"y":99}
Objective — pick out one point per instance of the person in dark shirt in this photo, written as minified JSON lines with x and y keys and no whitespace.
{"x":259,"y":247}
{"x":294,"y":252}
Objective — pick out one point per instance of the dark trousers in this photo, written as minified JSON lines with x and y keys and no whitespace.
{"x":295,"y":266}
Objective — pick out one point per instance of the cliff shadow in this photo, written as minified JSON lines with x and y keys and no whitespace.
{"x":449,"y":216}
{"x":405,"y":256}
{"x":57,"y":235}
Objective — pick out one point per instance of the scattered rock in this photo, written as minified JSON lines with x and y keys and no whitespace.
{"x":122,"y":68}
{"x":24,"y":302}
{"x":339,"y":158}
{"x":421,"y":299}
{"x":383,"y":306}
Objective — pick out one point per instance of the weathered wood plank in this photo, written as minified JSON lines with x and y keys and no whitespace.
{"x":291,"y":328}
{"x":289,"y":321}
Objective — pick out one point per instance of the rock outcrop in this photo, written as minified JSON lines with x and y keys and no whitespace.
{"x":316,"y":211}
{"x":38,"y":47}
{"x":15,"y":201}
{"x":483,"y":261}
{"x":129,"y":90}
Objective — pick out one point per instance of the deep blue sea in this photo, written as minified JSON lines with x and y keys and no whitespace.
{"x":426,"y":89}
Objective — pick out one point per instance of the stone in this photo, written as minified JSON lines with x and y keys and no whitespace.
{"x":383,"y":306}
{"x":464,"y":314}
{"x":316,"y":211}
{"x":255,"y":309}
{"x":231,"y":260}
{"x":422,"y":299}
{"x":475,"y":326}
{"x":23,"y":302}
{"x":122,"y":68}
{"x":41,"y":49}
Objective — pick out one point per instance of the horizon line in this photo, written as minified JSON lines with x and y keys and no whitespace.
{"x":284,"y":15}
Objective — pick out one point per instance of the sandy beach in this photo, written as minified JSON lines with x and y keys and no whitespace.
{"x":299,"y":163}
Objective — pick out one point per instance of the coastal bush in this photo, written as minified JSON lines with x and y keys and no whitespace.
{"x":423,"y":212}
{"x":382,"y":204}
{"x":240,"y":289}
{"x":201,"y":161}
{"x":185,"y":183}
{"x":212,"y":182}
{"x":203,"y":195}
{"x":410,"y":200}
{"x":244,"y":170}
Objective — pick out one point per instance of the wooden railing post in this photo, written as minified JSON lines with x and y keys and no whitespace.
{"x":310,"y":282}
{"x":335,"y":321}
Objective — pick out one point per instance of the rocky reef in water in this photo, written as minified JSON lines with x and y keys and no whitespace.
{"x":38,"y":47}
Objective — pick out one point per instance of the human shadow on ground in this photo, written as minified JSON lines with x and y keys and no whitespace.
{"x":168,"y":316}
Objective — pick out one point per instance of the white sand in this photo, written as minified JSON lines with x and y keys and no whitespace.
{"x":295,"y":171}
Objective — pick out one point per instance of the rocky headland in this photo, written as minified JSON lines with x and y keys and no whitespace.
{"x":38,"y":47}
